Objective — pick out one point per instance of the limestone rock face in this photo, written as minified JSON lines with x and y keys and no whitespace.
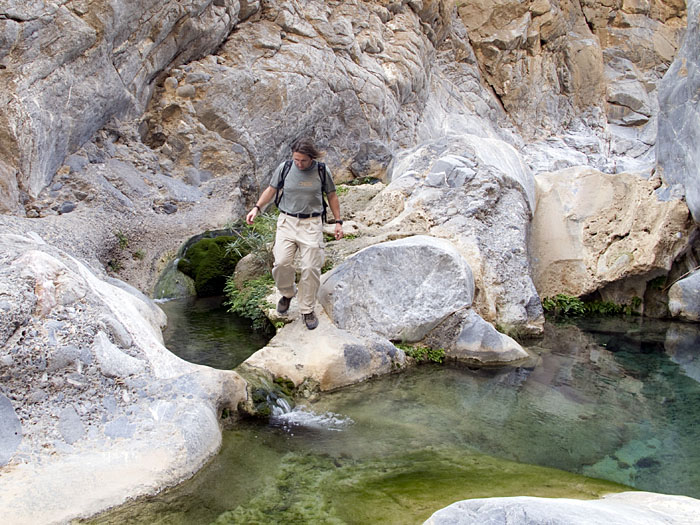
{"x":684,"y":298}
{"x":616,"y":509}
{"x":90,"y":392}
{"x":679,"y":121}
{"x":353,"y":75}
{"x":582,"y":239}
{"x":586,"y":70}
{"x":521,"y":45}
{"x":70,"y":68}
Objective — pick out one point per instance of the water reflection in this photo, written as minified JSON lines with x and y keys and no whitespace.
{"x":607,"y":399}
{"x":202,"y":331}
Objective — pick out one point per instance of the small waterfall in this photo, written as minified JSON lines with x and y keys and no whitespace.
{"x":304,"y":417}
{"x":278,"y":405}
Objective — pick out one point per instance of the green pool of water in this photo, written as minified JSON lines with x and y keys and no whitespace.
{"x":202,"y":331}
{"x":606,"y":406}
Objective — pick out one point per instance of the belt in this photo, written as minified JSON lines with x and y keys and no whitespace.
{"x":302,"y":215}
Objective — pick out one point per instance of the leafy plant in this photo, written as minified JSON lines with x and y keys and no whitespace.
{"x":423,"y":354}
{"x":566,"y":305}
{"x":114,"y":265}
{"x":327,"y":266}
{"x":139,"y":254}
{"x":562,"y":305}
{"x":122,"y":239}
{"x":249,"y":301}
{"x":363,"y":180}
{"x":256,"y":238}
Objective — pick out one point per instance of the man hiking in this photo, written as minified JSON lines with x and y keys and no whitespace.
{"x":299,"y":186}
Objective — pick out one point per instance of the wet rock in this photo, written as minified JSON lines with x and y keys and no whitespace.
{"x":480,"y":341}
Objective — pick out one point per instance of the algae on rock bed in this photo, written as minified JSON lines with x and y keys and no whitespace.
{"x":401,"y":489}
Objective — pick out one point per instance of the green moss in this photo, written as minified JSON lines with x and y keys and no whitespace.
{"x":209,"y":263}
{"x":286,"y":385}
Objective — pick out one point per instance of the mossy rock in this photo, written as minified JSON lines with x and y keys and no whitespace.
{"x":209,"y":263}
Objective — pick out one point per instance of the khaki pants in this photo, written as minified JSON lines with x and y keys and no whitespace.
{"x":306,"y":236}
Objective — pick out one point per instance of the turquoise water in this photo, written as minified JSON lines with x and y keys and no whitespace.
{"x":616,"y":400}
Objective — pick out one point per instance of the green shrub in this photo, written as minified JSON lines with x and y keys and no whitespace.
{"x":562,"y":305}
{"x":422,"y":354}
{"x":122,"y":239}
{"x":249,"y":301}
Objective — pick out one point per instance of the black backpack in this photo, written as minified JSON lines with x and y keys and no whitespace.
{"x":321,"y":174}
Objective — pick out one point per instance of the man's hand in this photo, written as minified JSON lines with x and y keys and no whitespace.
{"x":338,"y":231}
{"x":251,"y":215}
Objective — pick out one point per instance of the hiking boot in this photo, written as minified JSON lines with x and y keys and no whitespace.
{"x":311,"y":320}
{"x":283,"y":305}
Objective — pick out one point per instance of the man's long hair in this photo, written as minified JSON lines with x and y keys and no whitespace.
{"x":306,"y":146}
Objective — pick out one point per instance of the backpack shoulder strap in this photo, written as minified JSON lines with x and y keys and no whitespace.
{"x":280,"y":187}
{"x":322,"y":175}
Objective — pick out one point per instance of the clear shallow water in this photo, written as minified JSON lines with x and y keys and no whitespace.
{"x":606,"y":399}
{"x":202,"y":331}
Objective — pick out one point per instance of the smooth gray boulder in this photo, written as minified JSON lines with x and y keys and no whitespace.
{"x":626,"y":508}
{"x":677,"y":152}
{"x":399,"y":290}
{"x":684,"y":298}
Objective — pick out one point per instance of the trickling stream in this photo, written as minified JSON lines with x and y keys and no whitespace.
{"x":614,"y":399}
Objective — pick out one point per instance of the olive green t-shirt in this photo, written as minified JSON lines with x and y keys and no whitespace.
{"x":302,"y":189}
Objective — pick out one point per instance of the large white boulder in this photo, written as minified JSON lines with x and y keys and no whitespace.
{"x":591,"y":229}
{"x":90,"y":394}
{"x":477,"y":192}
